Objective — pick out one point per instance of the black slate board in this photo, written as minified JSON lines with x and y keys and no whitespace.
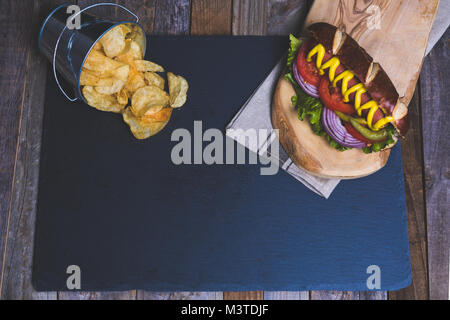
{"x":120,"y":209}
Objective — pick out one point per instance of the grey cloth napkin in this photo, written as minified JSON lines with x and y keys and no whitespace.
{"x":255,"y":114}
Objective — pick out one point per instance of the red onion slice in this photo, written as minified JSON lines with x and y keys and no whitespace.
{"x":337,"y":131}
{"x":310,"y":89}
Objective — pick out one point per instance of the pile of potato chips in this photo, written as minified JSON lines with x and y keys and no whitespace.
{"x":115,"y":73}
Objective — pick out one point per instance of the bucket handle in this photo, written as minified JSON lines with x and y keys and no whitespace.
{"x":64,"y":29}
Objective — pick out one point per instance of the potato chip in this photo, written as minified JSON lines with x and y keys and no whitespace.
{"x":121,"y":73}
{"x":135,"y":51}
{"x":122,"y":96}
{"x":109,"y":86}
{"x":98,"y":62}
{"x":98,"y":46}
{"x":178,"y":88}
{"x":101,"y":101}
{"x":142,"y":130}
{"x":132,"y":51}
{"x":147,"y":66}
{"x":93,"y":78}
{"x":88,"y":78}
{"x":153,"y":110}
{"x":91,"y":74}
{"x":135,"y":81}
{"x":146,"y":98}
{"x":133,"y":32}
{"x":162,"y":114}
{"x":153,"y":79}
{"x":113,"y":41}
{"x":126,"y":29}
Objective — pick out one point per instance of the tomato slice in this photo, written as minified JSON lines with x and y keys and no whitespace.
{"x":333,"y":98}
{"x":355,"y":134}
{"x":307,"y":70}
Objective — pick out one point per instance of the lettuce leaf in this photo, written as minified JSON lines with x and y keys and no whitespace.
{"x":294,"y":47}
{"x":311,"y":109}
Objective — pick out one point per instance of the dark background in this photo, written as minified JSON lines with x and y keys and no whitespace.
{"x":23,"y":78}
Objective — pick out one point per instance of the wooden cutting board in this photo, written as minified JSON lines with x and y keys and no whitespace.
{"x":395,"y":33}
{"x":313,"y":153}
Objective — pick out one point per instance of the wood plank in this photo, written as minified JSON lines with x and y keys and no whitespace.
{"x":126,"y":295}
{"x":414,"y":194}
{"x":269,"y":17}
{"x":18,"y":256}
{"x":145,"y":10}
{"x":285,"y":17}
{"x":249,"y":17}
{"x":243,"y":295}
{"x":145,"y":295}
{"x":286,"y":295}
{"x":101,"y":11}
{"x":435,"y":97}
{"x":172,"y":17}
{"x":373,"y":295}
{"x":16,"y":17}
{"x":211,"y":17}
{"x":348,"y":295}
{"x":334,"y":295}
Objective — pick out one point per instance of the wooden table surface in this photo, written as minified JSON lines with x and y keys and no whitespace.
{"x":23,"y":78}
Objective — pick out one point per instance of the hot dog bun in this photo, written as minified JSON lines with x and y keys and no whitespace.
{"x":370,"y":73}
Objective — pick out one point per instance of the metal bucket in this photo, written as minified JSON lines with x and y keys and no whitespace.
{"x":67,"y":49}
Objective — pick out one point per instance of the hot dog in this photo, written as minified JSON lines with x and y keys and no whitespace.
{"x":354,"y":81}
{"x":331,"y":67}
